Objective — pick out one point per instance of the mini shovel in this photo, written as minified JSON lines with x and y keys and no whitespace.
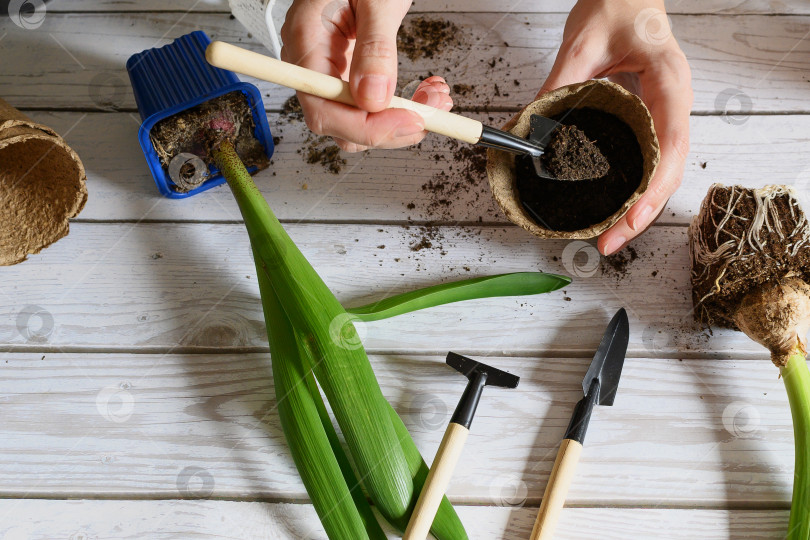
{"x":462,"y":128}
{"x":600,"y":385}
{"x":480,"y":375}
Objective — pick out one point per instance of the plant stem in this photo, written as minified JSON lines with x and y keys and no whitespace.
{"x":797,"y":383}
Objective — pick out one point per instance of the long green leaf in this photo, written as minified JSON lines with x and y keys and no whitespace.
{"x":340,"y":362}
{"x":515,"y":284}
{"x":308,"y":441}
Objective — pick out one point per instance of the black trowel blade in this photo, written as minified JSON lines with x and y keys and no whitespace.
{"x":540,"y":130}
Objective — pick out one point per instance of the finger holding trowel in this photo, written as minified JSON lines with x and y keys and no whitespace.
{"x":600,"y":385}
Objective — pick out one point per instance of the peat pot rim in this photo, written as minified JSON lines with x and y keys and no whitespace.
{"x":597,"y":94}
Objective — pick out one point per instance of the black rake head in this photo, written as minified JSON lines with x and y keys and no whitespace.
{"x":470,"y":368}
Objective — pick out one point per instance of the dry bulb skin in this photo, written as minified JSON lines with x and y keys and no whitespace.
{"x":777,"y":315}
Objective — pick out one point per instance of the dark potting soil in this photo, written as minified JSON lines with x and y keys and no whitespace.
{"x":323,"y":150}
{"x":730,"y":218}
{"x":570,"y":206}
{"x":570,"y":155}
{"x":199,"y":130}
{"x":423,"y":37}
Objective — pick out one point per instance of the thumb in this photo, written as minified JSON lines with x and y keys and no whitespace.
{"x":373,"y":74}
{"x":576,"y":62}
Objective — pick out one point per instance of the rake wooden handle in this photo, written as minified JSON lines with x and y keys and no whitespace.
{"x":226,"y":56}
{"x":436,"y":483}
{"x":557,"y":489}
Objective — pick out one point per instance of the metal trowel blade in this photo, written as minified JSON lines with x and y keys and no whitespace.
{"x":540,"y":130}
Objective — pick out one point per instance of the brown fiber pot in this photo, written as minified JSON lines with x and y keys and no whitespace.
{"x":602,"y":95}
{"x":42,"y":186}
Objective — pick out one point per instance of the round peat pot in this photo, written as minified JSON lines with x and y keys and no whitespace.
{"x":621,"y":127}
{"x":42,"y":186}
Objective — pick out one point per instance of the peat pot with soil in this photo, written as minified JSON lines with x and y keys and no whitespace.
{"x":615,"y":142}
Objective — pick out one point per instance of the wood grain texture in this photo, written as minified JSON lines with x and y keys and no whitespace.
{"x":168,"y":520}
{"x":190,"y":286}
{"x":682,"y":433}
{"x":382,"y":185}
{"x":753,"y":63}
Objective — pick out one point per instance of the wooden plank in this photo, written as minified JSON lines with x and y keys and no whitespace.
{"x":44,"y":519}
{"x":737,"y":7}
{"x":685,"y":433}
{"x":761,"y":60}
{"x":162,"y":286}
{"x":391,"y":185}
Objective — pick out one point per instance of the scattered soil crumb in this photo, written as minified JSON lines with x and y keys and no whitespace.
{"x":466,"y":173}
{"x":291,"y":110}
{"x":157,"y":255}
{"x":323,"y":150}
{"x":425,"y":237}
{"x":616,"y":265}
{"x":703,"y":164}
{"x":423,"y":37}
{"x":462,"y":89}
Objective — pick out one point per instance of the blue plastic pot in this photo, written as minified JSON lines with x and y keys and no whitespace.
{"x":176,"y":77}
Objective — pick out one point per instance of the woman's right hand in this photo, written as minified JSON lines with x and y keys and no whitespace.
{"x":357,"y":41}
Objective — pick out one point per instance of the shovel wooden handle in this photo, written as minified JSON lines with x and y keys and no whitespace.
{"x":227,"y":56}
{"x":557,"y":489}
{"x":436,"y":483}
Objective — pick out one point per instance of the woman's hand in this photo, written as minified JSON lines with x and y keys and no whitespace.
{"x":356,"y":40}
{"x":630,"y":42}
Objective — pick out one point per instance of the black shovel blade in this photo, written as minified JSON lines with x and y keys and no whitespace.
{"x":540,"y":130}
{"x":607,"y":363}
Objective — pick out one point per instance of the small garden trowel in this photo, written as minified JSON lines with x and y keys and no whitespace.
{"x":600,"y":385}
{"x":462,"y":128}
{"x":480,"y":375}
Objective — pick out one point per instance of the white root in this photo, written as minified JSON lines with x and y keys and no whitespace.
{"x":706,"y":261}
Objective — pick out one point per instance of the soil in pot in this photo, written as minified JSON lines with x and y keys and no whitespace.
{"x":570,"y":155}
{"x":195,"y":131}
{"x":575,"y":205}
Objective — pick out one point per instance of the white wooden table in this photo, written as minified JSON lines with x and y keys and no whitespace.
{"x":135,"y":383}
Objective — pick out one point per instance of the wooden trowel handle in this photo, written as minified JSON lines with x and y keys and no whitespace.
{"x":557,"y":489}
{"x":227,"y":56}
{"x":436,"y":482}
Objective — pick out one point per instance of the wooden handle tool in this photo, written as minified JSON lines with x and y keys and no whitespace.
{"x":557,"y":489}
{"x":599,"y":385}
{"x":437,"y":480}
{"x":479,"y":375}
{"x":227,"y":56}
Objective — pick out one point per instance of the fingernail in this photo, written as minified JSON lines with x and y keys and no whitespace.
{"x":430,"y":98}
{"x":615,"y":245}
{"x":407,"y":129}
{"x":374,"y":88}
{"x":641,"y":218}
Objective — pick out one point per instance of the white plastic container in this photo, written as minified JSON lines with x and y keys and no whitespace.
{"x":263,"y":19}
